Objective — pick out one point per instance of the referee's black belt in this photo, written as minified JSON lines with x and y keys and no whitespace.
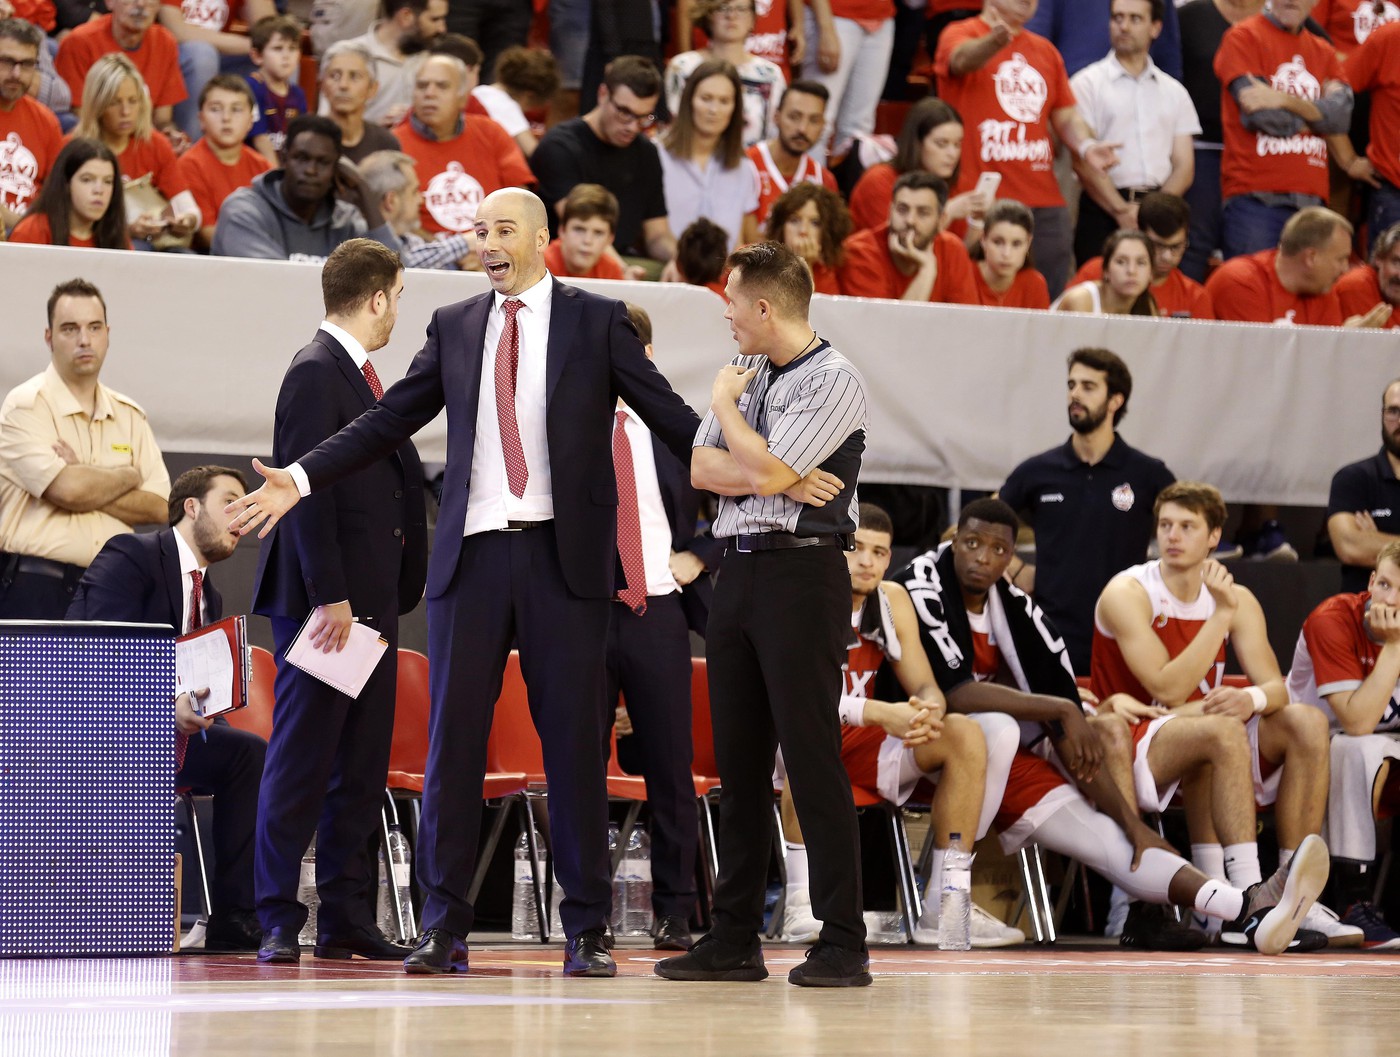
{"x":784,"y":541}
{"x":13,"y":564}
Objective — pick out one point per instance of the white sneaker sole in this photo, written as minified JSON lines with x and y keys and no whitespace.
{"x":1307,"y":875}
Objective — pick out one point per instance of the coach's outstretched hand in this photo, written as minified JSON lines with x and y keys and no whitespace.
{"x":277,"y":495}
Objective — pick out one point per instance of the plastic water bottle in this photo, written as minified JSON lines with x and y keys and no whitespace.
{"x":384,"y":908}
{"x":619,"y":884}
{"x":400,"y":888}
{"x":524,"y":923}
{"x":955,"y":900}
{"x":637,"y":866}
{"x":306,"y":893}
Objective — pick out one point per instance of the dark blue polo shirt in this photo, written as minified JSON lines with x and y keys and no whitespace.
{"x":1090,"y":522}
{"x":1368,"y":485}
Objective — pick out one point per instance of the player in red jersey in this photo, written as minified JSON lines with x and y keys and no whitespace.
{"x":888,"y":746}
{"x":1347,"y":663}
{"x":1159,"y":659}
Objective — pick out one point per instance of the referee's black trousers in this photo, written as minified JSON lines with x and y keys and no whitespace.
{"x":776,"y":641}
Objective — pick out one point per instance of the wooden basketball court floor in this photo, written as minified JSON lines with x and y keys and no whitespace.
{"x":1072,"y":1000}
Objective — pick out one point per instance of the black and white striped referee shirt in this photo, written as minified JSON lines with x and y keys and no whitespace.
{"x":812,"y":413}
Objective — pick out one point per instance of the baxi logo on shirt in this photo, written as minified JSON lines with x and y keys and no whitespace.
{"x":452,"y":197}
{"x":210,"y":14}
{"x":1123,"y":497}
{"x":1294,"y":78}
{"x":19,"y":173}
{"x":1021,"y":90}
{"x":1364,"y":19}
{"x":1053,"y":497}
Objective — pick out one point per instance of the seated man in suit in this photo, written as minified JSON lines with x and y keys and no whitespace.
{"x":161,"y":578}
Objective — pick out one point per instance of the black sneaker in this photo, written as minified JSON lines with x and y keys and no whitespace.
{"x":1150,"y":927}
{"x":828,"y":965}
{"x":714,"y":960}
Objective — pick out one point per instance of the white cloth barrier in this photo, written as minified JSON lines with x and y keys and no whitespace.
{"x":958,"y":395}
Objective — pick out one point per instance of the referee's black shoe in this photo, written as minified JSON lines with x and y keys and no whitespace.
{"x":828,"y":965}
{"x":711,"y":959}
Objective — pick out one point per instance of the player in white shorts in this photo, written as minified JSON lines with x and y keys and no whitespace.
{"x":1159,"y":653}
{"x":1347,"y":663}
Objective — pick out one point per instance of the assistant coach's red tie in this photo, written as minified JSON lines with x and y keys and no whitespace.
{"x":196,"y":622}
{"x":629,"y":522}
{"x":372,"y":377}
{"x":507,"y":364}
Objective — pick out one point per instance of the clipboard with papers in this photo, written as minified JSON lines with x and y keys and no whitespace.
{"x":217,"y":656}
{"x":348,"y":669}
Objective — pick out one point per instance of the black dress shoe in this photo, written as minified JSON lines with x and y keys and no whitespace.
{"x":587,"y":955}
{"x":438,"y":951}
{"x":279,"y":946}
{"x":235,"y":932}
{"x":672,"y":934}
{"x":364,"y":942}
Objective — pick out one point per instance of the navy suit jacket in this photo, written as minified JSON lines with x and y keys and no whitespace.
{"x":364,"y":539}
{"x":682,"y":503}
{"x":137,"y":578}
{"x":594,"y":355}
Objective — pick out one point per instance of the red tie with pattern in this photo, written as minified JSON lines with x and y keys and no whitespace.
{"x":373,"y":379}
{"x":196,"y":622}
{"x":507,"y":363}
{"x":629,"y":522}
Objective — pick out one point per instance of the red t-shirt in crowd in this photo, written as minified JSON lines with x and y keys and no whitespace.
{"x":30,"y":139}
{"x":1177,"y":295}
{"x":1375,"y":68}
{"x":41,"y":13}
{"x":1296,"y":63}
{"x":606,"y":268}
{"x":1247,"y":289}
{"x":772,"y":185}
{"x":871,"y":196}
{"x":35,"y":229}
{"x":158,"y":59}
{"x":768,"y":39}
{"x":207,"y":14}
{"x":1006,"y":108}
{"x":1359,"y":291}
{"x":870,"y":271}
{"x":154,"y":156}
{"x":1350,"y":22}
{"x":211,"y":181}
{"x":1027,"y":290}
{"x":870,"y":11}
{"x":825,"y":279}
{"x":456,"y":174}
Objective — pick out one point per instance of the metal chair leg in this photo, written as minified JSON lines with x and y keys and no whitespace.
{"x":541,"y":906}
{"x":1033,"y":904}
{"x":404,"y":923}
{"x":910,"y":906}
{"x":188,"y":800}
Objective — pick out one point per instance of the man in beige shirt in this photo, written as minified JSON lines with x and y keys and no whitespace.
{"x":78,"y":463}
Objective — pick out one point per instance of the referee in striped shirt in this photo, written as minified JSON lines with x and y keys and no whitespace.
{"x":782,"y":446}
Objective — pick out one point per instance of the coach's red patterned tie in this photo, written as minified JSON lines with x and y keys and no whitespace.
{"x":373,"y":379}
{"x":507,"y":363}
{"x":629,"y":522}
{"x":196,"y":621}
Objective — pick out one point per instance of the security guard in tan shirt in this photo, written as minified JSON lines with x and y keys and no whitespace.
{"x":78,"y":463}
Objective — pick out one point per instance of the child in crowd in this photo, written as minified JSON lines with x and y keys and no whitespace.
{"x":586,"y":228}
{"x":276,"y":51}
{"x":220,"y":162}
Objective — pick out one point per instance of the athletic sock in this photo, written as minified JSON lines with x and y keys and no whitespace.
{"x":1216,"y":899}
{"x":1242,"y":864}
{"x":1285,"y":856}
{"x":1209,"y":859}
{"x":796,"y":867}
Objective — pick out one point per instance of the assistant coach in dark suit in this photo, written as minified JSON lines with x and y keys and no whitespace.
{"x":356,"y":551}
{"x":525,"y":552}
{"x":151,"y":579}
